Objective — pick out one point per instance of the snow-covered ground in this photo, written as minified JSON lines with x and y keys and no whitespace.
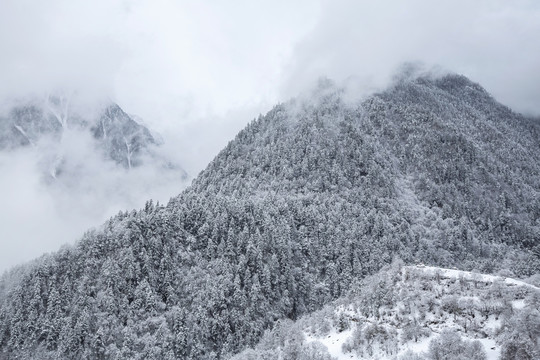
{"x":491,"y":347}
{"x":470,"y":323}
{"x":471,"y":276}
{"x":333,"y":342}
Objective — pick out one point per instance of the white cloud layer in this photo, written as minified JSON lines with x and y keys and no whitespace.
{"x":39,"y":216}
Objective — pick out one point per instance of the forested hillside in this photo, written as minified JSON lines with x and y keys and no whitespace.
{"x":305,"y":202}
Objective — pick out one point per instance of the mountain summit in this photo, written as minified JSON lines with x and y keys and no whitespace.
{"x":304,"y":203}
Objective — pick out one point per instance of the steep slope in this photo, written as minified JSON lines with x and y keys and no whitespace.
{"x":308,"y":199}
{"x":123,"y":139}
{"x":415,"y":313}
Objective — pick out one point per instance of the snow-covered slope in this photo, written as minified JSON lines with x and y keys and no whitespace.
{"x":416,"y":312}
{"x":471,"y":276}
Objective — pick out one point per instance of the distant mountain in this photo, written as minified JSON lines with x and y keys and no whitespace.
{"x":122,"y":137}
{"x":305,"y":202}
{"x":415,"y":313}
{"x":47,"y":123}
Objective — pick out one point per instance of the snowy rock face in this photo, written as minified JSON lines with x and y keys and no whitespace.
{"x":123,"y":139}
{"x":25,"y":126}
{"x":113,"y":132}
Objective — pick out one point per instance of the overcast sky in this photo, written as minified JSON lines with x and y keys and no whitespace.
{"x":199,"y":71}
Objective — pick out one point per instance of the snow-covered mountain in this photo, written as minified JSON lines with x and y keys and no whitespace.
{"x":414,"y":313}
{"x":50,"y":123}
{"x":298,"y":209}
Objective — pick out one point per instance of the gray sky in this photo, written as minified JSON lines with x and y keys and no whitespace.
{"x":199,"y":71}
